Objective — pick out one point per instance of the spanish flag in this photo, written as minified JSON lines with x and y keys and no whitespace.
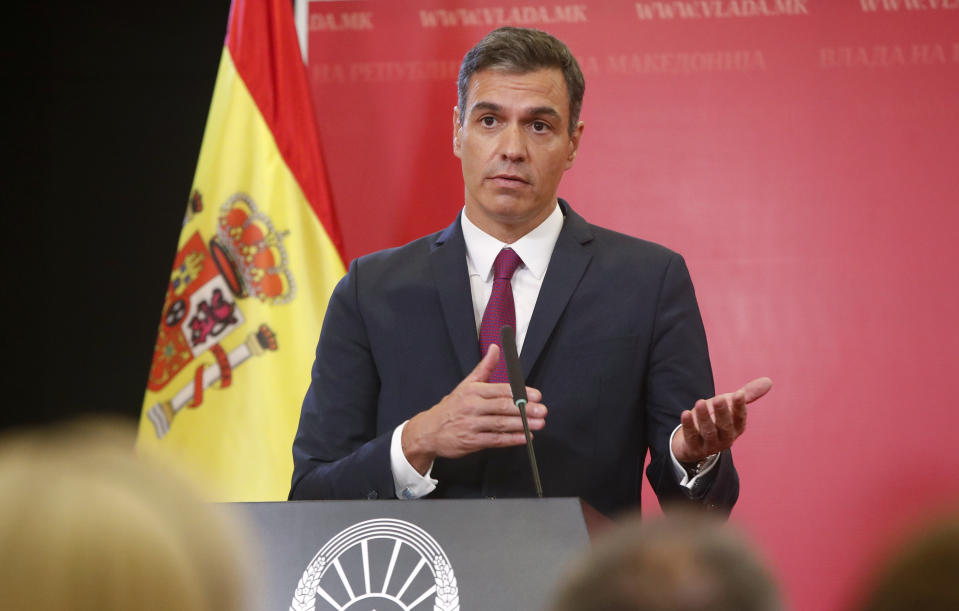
{"x":257,"y":259}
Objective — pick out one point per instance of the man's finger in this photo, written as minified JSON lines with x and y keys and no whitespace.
{"x":499,"y":440}
{"x":704,"y":422}
{"x":507,"y":424}
{"x":756,"y":389}
{"x":690,"y":432}
{"x":689,"y":427}
{"x":504,"y":406}
{"x":722,"y":411}
{"x":502,"y":424}
{"x":536,"y":410}
{"x":510,"y":439}
{"x":692,"y":443}
{"x":494,"y":390}
{"x":485,"y":367}
{"x":739,"y":411}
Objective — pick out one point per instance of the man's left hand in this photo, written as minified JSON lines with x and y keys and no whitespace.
{"x":714,"y":424}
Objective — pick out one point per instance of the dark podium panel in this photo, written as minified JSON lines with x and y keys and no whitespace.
{"x":474,"y":555}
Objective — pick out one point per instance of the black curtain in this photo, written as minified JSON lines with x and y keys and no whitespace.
{"x":105,"y":108}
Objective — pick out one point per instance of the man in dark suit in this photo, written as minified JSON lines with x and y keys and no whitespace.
{"x":405,"y":399}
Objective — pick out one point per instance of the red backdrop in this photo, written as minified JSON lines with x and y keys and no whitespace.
{"x":802,"y":155}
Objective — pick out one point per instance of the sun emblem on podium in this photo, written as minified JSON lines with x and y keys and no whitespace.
{"x":378,"y":565}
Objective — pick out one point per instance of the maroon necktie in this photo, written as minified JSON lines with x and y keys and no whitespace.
{"x":500,"y":309}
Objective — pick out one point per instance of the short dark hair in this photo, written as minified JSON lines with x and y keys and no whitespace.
{"x":684,"y":561}
{"x":523,"y":50}
{"x":921,"y":571}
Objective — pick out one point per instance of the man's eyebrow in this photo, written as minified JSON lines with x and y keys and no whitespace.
{"x":539,"y":111}
{"x":536,"y":111}
{"x":485,"y":106}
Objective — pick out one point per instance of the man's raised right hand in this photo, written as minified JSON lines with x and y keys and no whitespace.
{"x":476,"y":415}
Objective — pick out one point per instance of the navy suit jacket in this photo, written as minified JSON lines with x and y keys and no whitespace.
{"x":616,"y":345}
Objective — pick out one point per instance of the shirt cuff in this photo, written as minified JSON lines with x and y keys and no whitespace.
{"x":681,"y":474}
{"x":407,"y":481}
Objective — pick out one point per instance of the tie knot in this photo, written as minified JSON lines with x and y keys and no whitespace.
{"x":505,"y":264}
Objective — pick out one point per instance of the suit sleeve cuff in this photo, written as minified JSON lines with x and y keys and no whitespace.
{"x":681,"y":474}
{"x":408,"y":482}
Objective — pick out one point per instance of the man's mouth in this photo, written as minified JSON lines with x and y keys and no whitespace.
{"x":509,"y":179}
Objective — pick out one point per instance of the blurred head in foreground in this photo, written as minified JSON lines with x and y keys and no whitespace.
{"x":922,"y":574}
{"x":677,"y":563}
{"x":84,"y":524}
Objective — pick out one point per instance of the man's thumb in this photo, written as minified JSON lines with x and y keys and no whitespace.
{"x":486,"y":365}
{"x":757,"y":388}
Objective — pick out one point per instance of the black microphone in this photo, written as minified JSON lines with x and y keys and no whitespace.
{"x":518,"y":386}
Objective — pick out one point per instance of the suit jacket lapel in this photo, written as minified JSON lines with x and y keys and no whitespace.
{"x":448,"y":260}
{"x":570,"y":258}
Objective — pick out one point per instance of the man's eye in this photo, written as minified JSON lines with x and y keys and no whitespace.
{"x":488,"y":121}
{"x":540,"y":126}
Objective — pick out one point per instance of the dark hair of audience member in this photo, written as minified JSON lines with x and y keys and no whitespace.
{"x":922,"y":573}
{"x":684,"y":562}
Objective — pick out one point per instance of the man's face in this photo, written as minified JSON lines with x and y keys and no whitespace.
{"x":514,"y":144}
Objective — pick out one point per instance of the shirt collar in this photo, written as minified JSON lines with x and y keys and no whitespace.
{"x":535,"y":248}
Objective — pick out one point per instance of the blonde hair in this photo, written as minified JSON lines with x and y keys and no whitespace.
{"x":85,"y":524}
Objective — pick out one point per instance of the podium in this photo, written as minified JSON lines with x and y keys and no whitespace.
{"x":474,"y":555}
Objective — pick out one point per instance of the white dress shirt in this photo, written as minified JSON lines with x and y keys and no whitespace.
{"x":535,"y":250}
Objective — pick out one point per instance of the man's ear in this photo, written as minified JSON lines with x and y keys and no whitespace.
{"x":574,"y":139}
{"x":457,"y":131}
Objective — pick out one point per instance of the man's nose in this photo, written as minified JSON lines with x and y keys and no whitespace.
{"x":513,"y":143}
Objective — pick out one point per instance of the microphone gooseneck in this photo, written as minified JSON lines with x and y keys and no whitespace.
{"x":518,"y":387}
